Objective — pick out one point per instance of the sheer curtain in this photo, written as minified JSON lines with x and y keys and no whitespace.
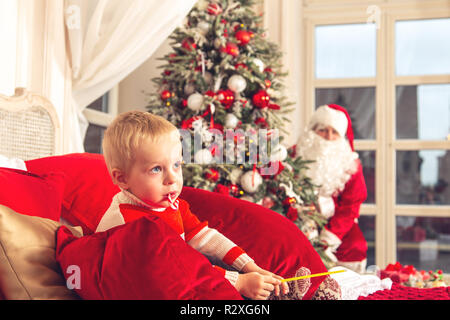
{"x":107,"y":40}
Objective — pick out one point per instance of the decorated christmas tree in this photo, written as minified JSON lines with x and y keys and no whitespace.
{"x":222,"y":83}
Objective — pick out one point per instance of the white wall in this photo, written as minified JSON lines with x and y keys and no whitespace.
{"x":8,"y":39}
{"x":133,"y":89}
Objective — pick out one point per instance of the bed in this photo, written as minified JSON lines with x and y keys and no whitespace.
{"x":50,"y":207}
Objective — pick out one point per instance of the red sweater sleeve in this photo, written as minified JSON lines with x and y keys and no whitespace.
{"x":209,"y":241}
{"x":347,"y":204}
{"x":192,"y":225}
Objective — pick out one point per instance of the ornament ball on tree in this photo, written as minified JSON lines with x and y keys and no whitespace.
{"x":261,"y":99}
{"x":195,"y":101}
{"x":250,"y":181}
{"x":237,"y":83}
{"x":243,"y":37}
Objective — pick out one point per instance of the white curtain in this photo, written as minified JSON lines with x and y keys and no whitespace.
{"x":107,"y":40}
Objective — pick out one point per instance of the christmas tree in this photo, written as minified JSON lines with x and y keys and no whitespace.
{"x":222,"y":82}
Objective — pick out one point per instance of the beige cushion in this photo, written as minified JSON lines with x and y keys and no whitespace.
{"x":28,"y":268}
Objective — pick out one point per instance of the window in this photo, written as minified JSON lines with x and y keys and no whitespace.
{"x":389,"y":65}
{"x":99,"y":113}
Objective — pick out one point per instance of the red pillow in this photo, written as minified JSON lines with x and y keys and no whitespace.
{"x":143,"y":259}
{"x":89,"y":188}
{"x":32,"y":194}
{"x":273,"y":241}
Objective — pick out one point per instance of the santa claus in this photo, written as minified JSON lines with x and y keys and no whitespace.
{"x":328,"y":140}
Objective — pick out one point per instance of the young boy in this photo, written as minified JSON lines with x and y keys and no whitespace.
{"x":143,"y":154}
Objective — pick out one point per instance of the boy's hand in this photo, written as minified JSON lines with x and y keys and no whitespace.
{"x":253,"y":267}
{"x":256,"y":286}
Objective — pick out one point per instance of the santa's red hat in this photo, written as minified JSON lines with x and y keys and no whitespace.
{"x":335,"y":116}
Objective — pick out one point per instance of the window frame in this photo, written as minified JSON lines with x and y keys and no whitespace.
{"x":100,"y":118}
{"x":385,"y":144}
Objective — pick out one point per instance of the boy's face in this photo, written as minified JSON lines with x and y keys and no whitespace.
{"x":156,"y":173}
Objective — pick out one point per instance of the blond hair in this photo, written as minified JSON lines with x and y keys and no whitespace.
{"x":125,"y":134}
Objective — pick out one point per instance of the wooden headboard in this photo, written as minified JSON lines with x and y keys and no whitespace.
{"x":29,"y":126}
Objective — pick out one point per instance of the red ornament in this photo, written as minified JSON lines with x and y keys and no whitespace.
{"x":274,"y":106}
{"x":226,"y":97}
{"x":166,"y":94}
{"x":240,"y":65}
{"x":217,"y":126}
{"x":212,"y":174}
{"x":293,"y":151}
{"x":268,"y":83}
{"x":172,"y":57}
{"x":231,"y":49}
{"x":292,"y":214}
{"x":268,"y":173}
{"x":220,"y":188}
{"x":280,"y":167}
{"x":289,"y":201}
{"x":262,"y":122}
{"x":210,"y":93}
{"x":243,"y":37}
{"x":261,"y":99}
{"x":188,"y":44}
{"x":184,"y":103}
{"x":234,"y":190}
{"x":214,"y":9}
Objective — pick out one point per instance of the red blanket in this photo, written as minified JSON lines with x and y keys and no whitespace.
{"x":399,"y":292}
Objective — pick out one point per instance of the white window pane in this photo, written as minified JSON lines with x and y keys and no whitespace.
{"x":423,"y":177}
{"x":423,"y":112}
{"x":345,"y":51}
{"x":423,"y":242}
{"x":422,"y":47}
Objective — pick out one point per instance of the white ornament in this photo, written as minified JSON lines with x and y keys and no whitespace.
{"x":189,"y":89}
{"x":231,"y":121}
{"x":203,"y":27}
{"x":250,"y":181}
{"x":279,"y":153}
{"x":237,"y":83}
{"x":259,"y":64}
{"x":195,"y":101}
{"x":203,"y":156}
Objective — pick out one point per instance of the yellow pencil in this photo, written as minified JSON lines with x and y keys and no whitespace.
{"x":312,"y":275}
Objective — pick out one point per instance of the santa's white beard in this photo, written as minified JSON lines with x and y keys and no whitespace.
{"x":334,"y":164}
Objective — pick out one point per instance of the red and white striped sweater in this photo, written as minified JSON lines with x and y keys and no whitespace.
{"x":125,"y":207}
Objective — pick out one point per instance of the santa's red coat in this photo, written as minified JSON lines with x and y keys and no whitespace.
{"x":344,"y":221}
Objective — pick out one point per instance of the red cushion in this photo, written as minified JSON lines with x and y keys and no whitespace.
{"x":143,"y":259}
{"x":32,"y":194}
{"x":88,"y":190}
{"x":273,"y":241}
